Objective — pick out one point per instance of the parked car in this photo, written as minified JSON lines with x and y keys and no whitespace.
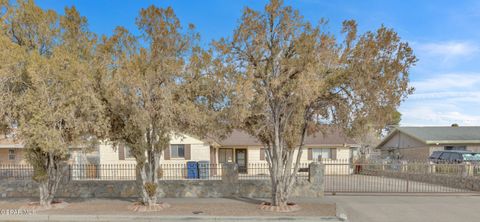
{"x":454,"y":156}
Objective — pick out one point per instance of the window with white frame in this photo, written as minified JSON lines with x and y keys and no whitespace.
{"x":321,"y":153}
{"x":177,"y":151}
{"x":11,"y":154}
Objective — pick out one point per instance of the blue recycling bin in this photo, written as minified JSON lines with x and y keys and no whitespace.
{"x":203,"y":169}
{"x":192,"y":170}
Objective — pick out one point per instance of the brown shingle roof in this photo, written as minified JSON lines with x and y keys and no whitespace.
{"x":331,"y":136}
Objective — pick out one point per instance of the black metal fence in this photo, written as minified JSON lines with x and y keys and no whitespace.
{"x":102,"y":171}
{"x":260,"y":171}
{"x":346,"y":176}
{"x":200,"y":171}
{"x":119,"y":172}
{"x":16,"y":171}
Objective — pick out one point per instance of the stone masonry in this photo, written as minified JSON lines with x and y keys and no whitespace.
{"x":229,"y":186}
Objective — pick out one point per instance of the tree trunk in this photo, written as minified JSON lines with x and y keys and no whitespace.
{"x":46,"y":195}
{"x":279,"y":197}
{"x":48,"y":187}
{"x":149,"y":196}
{"x":283,"y":177}
{"x":149,"y":180}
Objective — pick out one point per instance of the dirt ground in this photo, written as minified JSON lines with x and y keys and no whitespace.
{"x":181,"y":206}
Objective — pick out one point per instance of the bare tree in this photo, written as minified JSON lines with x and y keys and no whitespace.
{"x":291,"y":79}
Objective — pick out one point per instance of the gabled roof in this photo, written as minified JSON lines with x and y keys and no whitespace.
{"x":330,"y":137}
{"x":433,"y":135}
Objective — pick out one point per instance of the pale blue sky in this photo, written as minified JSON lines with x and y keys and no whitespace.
{"x":445,"y":36}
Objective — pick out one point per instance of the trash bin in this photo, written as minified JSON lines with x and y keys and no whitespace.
{"x":203,"y":169}
{"x":192,"y":170}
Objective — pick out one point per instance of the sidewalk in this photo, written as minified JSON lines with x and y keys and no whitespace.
{"x":400,"y":208}
{"x":192,"y":209}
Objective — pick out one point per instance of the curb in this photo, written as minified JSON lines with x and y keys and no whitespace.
{"x":121,"y":218}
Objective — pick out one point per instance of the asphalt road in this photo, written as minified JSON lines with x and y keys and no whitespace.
{"x":410,"y":208}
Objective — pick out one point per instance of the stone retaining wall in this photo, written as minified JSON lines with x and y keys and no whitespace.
{"x":228,"y":186}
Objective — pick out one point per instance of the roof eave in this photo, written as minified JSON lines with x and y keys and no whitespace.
{"x":11,"y":146}
{"x":388,"y":137}
{"x":438,"y":142}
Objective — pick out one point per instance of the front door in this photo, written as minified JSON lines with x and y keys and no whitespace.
{"x":241,"y":160}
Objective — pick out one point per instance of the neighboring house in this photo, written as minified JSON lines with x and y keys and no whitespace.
{"x":11,"y":150}
{"x":418,"y":143}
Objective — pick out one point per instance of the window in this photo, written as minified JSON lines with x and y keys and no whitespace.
{"x":322,"y":153}
{"x":225,"y":155}
{"x":128,"y":152}
{"x":177,"y":150}
{"x":11,"y":154}
{"x":124,"y":152}
{"x":455,"y":148}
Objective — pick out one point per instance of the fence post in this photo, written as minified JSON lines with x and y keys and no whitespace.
{"x":230,"y":173}
{"x":467,"y":170}
{"x":230,"y":185}
{"x":408,"y":181}
{"x":316,"y":171}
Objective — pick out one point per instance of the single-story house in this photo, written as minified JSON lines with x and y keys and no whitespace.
{"x":238,"y":147}
{"x":418,"y":143}
{"x":241,"y":148}
{"x":11,"y":150}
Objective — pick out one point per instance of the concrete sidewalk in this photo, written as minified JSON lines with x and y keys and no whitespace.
{"x":209,"y":209}
{"x":409,"y":208}
{"x":102,"y":218}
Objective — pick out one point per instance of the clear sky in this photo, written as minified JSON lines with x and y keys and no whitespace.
{"x":445,"y":36}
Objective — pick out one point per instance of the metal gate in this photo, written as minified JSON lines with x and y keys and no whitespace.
{"x":344,"y":176}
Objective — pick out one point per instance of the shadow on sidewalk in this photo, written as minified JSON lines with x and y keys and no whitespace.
{"x":246,"y":200}
{"x":95,"y":199}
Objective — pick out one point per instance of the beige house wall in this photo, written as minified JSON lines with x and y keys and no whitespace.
{"x":253,"y":153}
{"x":199,"y":151}
{"x":343,"y":156}
{"x":19,"y":156}
{"x":474,"y":148}
{"x":108,"y":154}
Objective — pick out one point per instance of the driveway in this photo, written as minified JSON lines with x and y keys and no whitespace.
{"x":410,"y":208}
{"x":377,"y":184}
